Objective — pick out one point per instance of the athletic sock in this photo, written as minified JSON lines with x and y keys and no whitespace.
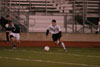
{"x":63,"y":45}
{"x":57,"y":41}
{"x":14,"y":45}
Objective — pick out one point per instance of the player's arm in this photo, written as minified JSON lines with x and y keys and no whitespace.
{"x":47,"y":32}
{"x":19,"y":29}
{"x":60,"y":32}
{"x":12,"y":27}
{"x":10,"y":30}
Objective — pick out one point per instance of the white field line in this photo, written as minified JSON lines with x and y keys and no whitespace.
{"x":58,"y":53}
{"x":53,"y":62}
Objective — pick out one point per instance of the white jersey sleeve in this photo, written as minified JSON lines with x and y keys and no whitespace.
{"x":99,"y":23}
{"x":98,"y":26}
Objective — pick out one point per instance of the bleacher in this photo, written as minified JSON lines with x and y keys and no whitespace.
{"x":51,"y":8}
{"x":40,"y":7}
{"x":54,"y":6}
{"x":36,"y":6}
{"x":33,"y":6}
{"x":93,"y":8}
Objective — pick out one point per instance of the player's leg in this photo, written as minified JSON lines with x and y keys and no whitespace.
{"x":17,"y":36}
{"x":61,"y":43}
{"x":7,"y":36}
{"x":56,"y":39}
{"x":12,"y":38}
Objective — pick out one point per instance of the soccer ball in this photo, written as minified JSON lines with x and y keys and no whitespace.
{"x":46,"y":48}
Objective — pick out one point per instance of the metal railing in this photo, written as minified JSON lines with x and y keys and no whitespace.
{"x":82,"y":11}
{"x":15,"y":13}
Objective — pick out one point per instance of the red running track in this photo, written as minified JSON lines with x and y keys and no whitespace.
{"x":51,"y":44}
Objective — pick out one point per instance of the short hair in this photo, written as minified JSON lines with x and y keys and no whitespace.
{"x":54,"y":20}
{"x":7,"y":16}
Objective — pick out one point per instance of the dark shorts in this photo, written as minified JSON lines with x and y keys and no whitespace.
{"x":11,"y":36}
{"x":56,"y":37}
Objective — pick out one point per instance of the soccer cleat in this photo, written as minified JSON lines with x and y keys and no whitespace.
{"x":65,"y":50}
{"x":14,"y":48}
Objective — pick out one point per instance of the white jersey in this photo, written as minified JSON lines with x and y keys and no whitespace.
{"x":99,"y":26}
{"x":54,"y":29}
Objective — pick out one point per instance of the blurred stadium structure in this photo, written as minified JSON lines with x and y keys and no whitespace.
{"x":74,"y":16}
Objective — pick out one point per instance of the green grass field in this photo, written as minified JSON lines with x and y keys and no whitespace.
{"x":56,"y":57}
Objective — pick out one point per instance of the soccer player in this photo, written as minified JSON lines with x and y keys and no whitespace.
{"x":6,"y":27}
{"x":14,"y":34}
{"x":99,"y":25}
{"x":55,"y":30}
{"x":98,"y":30}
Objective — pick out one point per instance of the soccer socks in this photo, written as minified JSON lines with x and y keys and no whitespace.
{"x":63,"y":45}
{"x":58,"y":42}
{"x":14,"y":45}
